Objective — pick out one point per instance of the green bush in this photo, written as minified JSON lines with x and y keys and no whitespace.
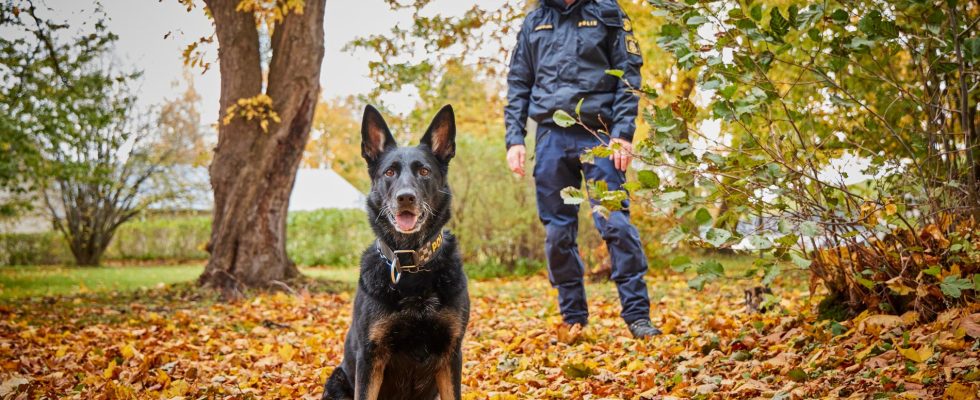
{"x":33,"y":249}
{"x":162,"y":237}
{"x":322,"y":237}
{"x":327,"y":237}
{"x":494,"y":215}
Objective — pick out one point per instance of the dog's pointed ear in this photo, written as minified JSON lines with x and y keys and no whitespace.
{"x":441,"y":135}
{"x":375,"y":135}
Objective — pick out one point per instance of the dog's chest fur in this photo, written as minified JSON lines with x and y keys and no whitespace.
{"x":421,"y":329}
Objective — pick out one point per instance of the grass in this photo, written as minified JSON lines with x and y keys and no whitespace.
{"x":31,"y":281}
{"x":34,"y":281}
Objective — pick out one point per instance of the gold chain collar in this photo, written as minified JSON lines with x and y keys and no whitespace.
{"x":411,"y":261}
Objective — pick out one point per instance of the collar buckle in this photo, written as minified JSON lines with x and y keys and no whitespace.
{"x":409,"y":264}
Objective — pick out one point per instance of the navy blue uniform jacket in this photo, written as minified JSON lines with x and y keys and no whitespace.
{"x":561,"y":56}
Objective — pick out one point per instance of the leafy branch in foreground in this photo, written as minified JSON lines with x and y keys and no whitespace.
{"x":837,"y":136}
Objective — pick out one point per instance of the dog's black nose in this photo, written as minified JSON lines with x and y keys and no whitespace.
{"x":406,"y":198}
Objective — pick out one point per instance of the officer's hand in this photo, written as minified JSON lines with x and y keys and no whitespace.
{"x":515,"y":159}
{"x":621,"y":158}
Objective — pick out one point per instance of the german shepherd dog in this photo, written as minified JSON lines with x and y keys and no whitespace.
{"x":412,"y":304}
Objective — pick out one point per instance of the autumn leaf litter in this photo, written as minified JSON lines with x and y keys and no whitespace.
{"x":282,"y":346}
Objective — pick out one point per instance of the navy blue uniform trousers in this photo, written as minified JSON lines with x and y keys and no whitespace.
{"x":557,"y":166}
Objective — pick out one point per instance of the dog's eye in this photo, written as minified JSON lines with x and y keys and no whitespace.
{"x":423,"y":171}
{"x":390,"y":172}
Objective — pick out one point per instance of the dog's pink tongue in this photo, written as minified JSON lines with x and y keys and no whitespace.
{"x":406,"y":221}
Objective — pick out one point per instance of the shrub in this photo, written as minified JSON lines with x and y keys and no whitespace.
{"x":162,"y":237}
{"x":33,"y":248}
{"x":327,"y":237}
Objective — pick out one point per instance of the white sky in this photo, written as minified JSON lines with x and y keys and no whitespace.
{"x":142,"y":25}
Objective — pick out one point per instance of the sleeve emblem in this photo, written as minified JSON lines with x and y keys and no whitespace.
{"x":627,"y":25}
{"x":632,"y":45}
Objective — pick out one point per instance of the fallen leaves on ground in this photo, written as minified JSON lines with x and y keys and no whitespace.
{"x":285,"y":346}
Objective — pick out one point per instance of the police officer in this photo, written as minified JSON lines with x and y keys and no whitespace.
{"x":563,"y":50}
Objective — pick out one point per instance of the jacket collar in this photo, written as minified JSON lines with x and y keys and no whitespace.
{"x":560,"y":6}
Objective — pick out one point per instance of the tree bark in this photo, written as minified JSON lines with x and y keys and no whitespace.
{"x":252,"y":172}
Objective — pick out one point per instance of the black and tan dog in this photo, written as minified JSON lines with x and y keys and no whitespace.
{"x":412,"y":305}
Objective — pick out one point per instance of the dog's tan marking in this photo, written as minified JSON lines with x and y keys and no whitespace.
{"x":374,"y":381}
{"x":454,"y":321}
{"x":379,"y":330}
{"x":444,"y":381}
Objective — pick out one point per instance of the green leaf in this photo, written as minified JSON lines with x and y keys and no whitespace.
{"x":648,"y":179}
{"x":696,"y":20}
{"x":562,"y":119}
{"x":697,"y":283}
{"x":702,"y":217}
{"x":797,"y":375}
{"x":615,"y":72}
{"x":934,"y":271}
{"x":772,"y":271}
{"x":760,"y":242}
{"x":572,"y":195}
{"x":976,"y":283}
{"x":717,"y":237}
{"x":578,"y":107}
{"x":840,"y":16}
{"x":777,"y":23}
{"x":800,"y":261}
{"x":864,"y":281}
{"x":671,"y":196}
{"x":972,"y":48}
{"x":756,"y":12}
{"x":680,"y":263}
{"x":711,"y":267}
{"x":953,"y":286}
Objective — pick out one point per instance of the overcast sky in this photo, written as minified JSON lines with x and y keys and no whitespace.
{"x":142,"y":25}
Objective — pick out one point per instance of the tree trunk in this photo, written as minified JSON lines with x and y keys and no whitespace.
{"x":253,"y":171}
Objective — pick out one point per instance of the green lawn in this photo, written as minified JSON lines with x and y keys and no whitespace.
{"x":30,"y":281}
{"x":26,"y":281}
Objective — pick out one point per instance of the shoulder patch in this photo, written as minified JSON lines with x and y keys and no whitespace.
{"x":632,"y":45}
{"x":543,"y":27}
{"x":627,"y":25}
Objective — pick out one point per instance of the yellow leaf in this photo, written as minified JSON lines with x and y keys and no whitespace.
{"x":162,"y":377}
{"x":959,"y":391}
{"x":896,"y":285}
{"x":286,"y":352}
{"x":177,"y":388}
{"x":108,"y":372}
{"x":918,"y":356}
{"x":861,"y":355}
{"x":890,"y":209}
{"x":127,"y":351}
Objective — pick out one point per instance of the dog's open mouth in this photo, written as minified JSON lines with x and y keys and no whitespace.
{"x":406,"y":221}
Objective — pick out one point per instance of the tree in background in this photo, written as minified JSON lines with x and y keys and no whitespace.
{"x":335,"y":144}
{"x":44,"y":71}
{"x":181,"y":131}
{"x":268,"y":99}
{"x":73,"y":130}
{"x":107,"y":175}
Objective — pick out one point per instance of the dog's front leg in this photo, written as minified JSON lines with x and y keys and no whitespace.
{"x":450,"y":375}
{"x":370,"y":372}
